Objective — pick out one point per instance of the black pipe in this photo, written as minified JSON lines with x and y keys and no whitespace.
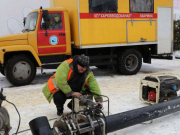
{"x":40,"y":126}
{"x":137,"y":116}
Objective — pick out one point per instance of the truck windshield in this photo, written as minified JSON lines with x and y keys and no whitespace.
{"x":31,"y":22}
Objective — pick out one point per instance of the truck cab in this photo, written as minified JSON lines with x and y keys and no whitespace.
{"x":45,"y":39}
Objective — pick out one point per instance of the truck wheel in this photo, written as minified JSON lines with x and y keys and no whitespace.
{"x":20,"y":70}
{"x":128,"y":62}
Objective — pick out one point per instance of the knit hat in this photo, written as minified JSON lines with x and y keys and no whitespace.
{"x":83,"y":60}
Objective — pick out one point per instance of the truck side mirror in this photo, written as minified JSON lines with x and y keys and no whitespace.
{"x":45,"y":25}
{"x":45,"y":17}
{"x":24,"y":20}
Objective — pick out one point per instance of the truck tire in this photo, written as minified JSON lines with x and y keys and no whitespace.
{"x":129,"y":62}
{"x":20,"y":70}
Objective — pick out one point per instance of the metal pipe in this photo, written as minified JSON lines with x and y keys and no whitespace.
{"x":137,"y":116}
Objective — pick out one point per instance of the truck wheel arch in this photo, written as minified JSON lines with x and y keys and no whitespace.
{"x":9,"y":55}
{"x":10,"y":51}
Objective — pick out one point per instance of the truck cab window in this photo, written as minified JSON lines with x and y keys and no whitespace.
{"x":31,"y":21}
{"x":55,"y":21}
{"x":141,"y":6}
{"x":103,"y":6}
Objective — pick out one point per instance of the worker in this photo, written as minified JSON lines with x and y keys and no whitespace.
{"x":51,"y":23}
{"x":72,"y":78}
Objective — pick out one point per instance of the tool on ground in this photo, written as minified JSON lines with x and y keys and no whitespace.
{"x":4,"y":117}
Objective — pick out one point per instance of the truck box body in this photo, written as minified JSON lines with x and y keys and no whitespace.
{"x":122,"y":28}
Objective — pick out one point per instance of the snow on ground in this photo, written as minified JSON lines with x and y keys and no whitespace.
{"x":123,"y":92}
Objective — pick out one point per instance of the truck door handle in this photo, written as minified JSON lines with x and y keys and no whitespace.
{"x":62,"y":34}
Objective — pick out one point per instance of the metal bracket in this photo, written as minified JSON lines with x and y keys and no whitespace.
{"x":68,"y":125}
{"x":72,"y":123}
{"x":42,"y":71}
{"x":104,"y":126}
{"x":85,"y":130}
{"x":132,"y":20}
{"x":150,"y":21}
{"x":143,"y":40}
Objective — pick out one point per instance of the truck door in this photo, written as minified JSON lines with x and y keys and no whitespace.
{"x":52,"y":40}
{"x":141,"y":31}
{"x":165,"y":30}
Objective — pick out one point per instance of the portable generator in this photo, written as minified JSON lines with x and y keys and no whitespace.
{"x":155,"y":88}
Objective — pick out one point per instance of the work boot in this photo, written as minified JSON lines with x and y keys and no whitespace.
{"x":59,"y":112}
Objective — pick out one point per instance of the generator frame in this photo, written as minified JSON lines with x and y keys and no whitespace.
{"x":155,"y":85}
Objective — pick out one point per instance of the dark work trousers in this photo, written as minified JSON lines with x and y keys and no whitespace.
{"x":59,"y":100}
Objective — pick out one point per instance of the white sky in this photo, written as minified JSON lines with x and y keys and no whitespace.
{"x":12,"y":13}
{"x":176,"y":9}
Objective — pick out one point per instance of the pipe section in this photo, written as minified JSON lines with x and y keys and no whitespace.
{"x":137,"y":116}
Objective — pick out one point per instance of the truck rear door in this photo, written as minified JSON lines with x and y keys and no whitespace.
{"x":52,"y":40}
{"x":165,"y":30}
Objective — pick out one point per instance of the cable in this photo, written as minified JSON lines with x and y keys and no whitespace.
{"x":18,"y":114}
{"x":99,"y":125}
{"x":107,"y":100}
{"x":103,"y":116}
{"x":21,"y":131}
{"x":52,"y":119}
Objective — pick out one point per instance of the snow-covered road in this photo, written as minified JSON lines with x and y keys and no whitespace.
{"x":123,"y":92}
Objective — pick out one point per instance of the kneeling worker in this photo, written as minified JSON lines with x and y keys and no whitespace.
{"x":72,"y":78}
